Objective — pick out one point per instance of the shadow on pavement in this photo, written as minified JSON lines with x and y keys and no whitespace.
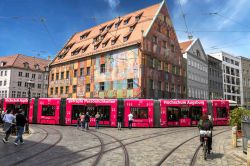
{"x":215,"y":155}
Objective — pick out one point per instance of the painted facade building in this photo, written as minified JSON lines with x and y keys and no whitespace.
{"x":197,"y":69}
{"x":245,"y":65}
{"x":232,"y":76}
{"x":133,"y":56}
{"x":17,"y":70}
{"x":215,"y":79}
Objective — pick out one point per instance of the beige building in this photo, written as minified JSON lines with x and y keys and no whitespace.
{"x":17,"y":70}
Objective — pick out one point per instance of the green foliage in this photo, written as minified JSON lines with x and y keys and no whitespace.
{"x":236,"y":116}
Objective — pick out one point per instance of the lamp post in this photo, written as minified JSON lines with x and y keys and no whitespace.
{"x":29,"y":87}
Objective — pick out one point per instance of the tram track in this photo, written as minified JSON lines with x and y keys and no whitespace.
{"x":28,"y":146}
{"x":40,"y":152}
{"x":166,"y":156}
{"x":126,"y":144}
{"x":149,"y":136}
{"x":194,"y":158}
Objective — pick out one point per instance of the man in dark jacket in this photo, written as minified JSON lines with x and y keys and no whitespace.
{"x":20,"y":123}
{"x":87,"y":119}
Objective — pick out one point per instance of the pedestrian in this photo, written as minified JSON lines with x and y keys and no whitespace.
{"x":87,"y":119}
{"x":130,"y":120}
{"x":97,"y":119}
{"x":78,"y":121}
{"x":82,"y":121}
{"x":8,"y":121}
{"x":1,"y":119}
{"x":119,"y":121}
{"x":20,"y":123}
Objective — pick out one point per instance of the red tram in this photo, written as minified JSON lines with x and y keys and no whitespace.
{"x":146,"y":112}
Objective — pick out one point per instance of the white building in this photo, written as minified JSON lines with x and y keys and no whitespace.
{"x":17,"y":70}
{"x":232,"y":76}
{"x":197,"y":69}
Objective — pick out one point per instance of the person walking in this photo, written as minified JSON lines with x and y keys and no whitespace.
{"x":87,"y":119}
{"x":8,"y":120}
{"x":130,"y":120}
{"x":20,"y":123}
{"x":78,"y":121}
{"x":97,"y":119}
{"x":119,"y":121}
{"x":82,"y":121}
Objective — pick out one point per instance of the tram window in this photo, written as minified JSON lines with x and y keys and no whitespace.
{"x":15,"y":108}
{"x":139,"y":112}
{"x":195,"y":113}
{"x":184,"y":113}
{"x":221,"y":112}
{"x":76,"y":110}
{"x":48,"y":110}
{"x":173,"y":113}
{"x":104,"y":111}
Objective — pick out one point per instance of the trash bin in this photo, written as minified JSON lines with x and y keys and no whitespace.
{"x":245,"y":127}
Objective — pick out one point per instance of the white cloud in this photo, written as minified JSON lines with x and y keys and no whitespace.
{"x":113,"y":3}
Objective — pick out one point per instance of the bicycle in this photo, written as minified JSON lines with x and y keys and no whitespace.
{"x":205,"y":134}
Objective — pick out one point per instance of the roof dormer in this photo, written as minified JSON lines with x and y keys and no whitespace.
{"x":127,"y":20}
{"x":2,"y":63}
{"x":26,"y":65}
{"x":37,"y":67}
{"x":137,"y":18}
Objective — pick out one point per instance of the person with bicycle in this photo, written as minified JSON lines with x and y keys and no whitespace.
{"x":206,"y":127}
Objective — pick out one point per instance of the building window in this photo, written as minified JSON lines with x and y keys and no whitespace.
{"x":74,"y":88}
{"x":19,"y":83}
{"x":18,"y":94}
{"x":81,"y":72}
{"x":67,"y":74}
{"x":24,"y":94}
{"x":88,"y":71}
{"x":56,"y":91}
{"x":172,"y":48}
{"x":52,"y":77}
{"x":154,"y":39}
{"x":4,"y":83}
{"x":130,"y":84}
{"x":38,"y":95}
{"x":61,"y":90}
{"x":5,"y":73}
{"x":87,"y":87}
{"x":20,"y":74}
{"x":102,"y":70}
{"x":26,"y":84}
{"x":198,"y":53}
{"x":75,"y":73}
{"x":40,"y":76}
{"x":33,"y":76}
{"x":39,"y":86}
{"x":57,"y":76}
{"x":27,"y":75}
{"x":67,"y":89}
{"x":33,"y":94}
{"x":13,"y":94}
{"x":101,"y":86}
{"x":62,"y":75}
{"x":51,"y":91}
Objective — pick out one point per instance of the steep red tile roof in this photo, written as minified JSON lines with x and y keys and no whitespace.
{"x":185,"y":45}
{"x":108,"y":30}
{"x":19,"y":60}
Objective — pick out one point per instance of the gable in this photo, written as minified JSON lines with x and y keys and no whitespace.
{"x":196,"y":49}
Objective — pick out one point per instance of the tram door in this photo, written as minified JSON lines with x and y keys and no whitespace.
{"x":173,"y":116}
{"x":195,"y":115}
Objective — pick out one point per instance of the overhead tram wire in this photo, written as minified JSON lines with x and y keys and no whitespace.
{"x":190,"y":36}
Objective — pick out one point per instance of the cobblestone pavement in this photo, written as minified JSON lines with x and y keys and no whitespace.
{"x":67,"y":145}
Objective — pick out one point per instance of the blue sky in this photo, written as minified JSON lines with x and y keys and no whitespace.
{"x":41,"y":27}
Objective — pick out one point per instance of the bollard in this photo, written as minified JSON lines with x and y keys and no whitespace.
{"x":234,"y":136}
{"x":248,"y":153}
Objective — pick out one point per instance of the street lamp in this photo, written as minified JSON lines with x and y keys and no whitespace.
{"x":29,"y":87}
